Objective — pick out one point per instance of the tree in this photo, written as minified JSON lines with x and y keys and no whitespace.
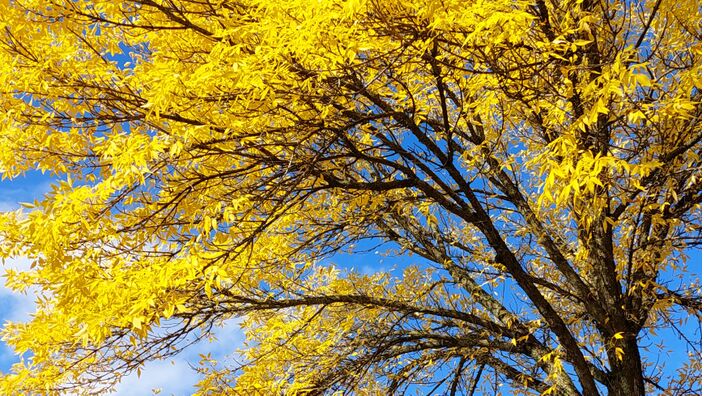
{"x":537,"y":163}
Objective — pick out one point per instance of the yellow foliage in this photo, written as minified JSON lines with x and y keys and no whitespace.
{"x":209,"y":158}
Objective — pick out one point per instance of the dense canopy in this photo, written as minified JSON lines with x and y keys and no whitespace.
{"x":534,"y":165}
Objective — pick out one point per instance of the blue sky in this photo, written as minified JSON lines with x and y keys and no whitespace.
{"x":175,"y":376}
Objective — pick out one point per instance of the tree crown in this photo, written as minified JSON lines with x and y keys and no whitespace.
{"x":212,"y":156}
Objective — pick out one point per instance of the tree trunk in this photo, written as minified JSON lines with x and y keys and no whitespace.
{"x":627,"y":373}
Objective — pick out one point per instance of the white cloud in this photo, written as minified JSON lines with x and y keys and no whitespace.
{"x":7,"y":206}
{"x":14,"y":307}
{"x":173,"y":377}
{"x":176,"y":376}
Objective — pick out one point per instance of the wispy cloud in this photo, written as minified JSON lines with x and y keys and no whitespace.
{"x":6,"y":206}
{"x":173,"y":377}
{"x":14,"y":307}
{"x":176,"y":376}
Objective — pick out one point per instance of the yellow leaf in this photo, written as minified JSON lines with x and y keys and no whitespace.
{"x":619,"y":353}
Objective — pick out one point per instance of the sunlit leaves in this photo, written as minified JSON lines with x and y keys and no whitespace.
{"x":535,"y":165}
